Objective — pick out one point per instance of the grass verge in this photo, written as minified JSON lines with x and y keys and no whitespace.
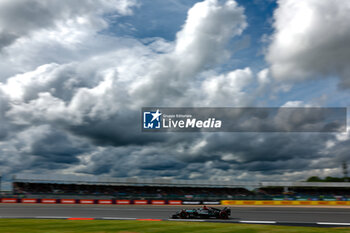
{"x":107,"y":226}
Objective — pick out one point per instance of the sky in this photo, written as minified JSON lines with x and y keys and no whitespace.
{"x":75,"y":75}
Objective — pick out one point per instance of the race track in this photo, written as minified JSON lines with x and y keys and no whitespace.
{"x":297,"y":215}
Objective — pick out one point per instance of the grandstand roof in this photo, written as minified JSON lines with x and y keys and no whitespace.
{"x":100,"y":180}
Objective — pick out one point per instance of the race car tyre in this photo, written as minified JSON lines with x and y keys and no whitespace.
{"x":223,"y":215}
{"x":184,"y":215}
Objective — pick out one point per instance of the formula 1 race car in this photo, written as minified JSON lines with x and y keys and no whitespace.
{"x":205,"y":212}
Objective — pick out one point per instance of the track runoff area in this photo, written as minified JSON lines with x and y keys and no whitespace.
{"x":248,"y":212}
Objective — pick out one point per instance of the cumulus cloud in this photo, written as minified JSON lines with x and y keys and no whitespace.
{"x":200,"y":45}
{"x":70,"y":97}
{"x":34,"y":33}
{"x":20,"y":18}
{"x":208,"y":28}
{"x":97,"y":94}
{"x":227,"y":89}
{"x":311,"y":40}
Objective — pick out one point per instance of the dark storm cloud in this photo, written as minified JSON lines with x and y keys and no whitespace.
{"x":267,"y":153}
{"x":340,"y":152}
{"x":268,"y":147}
{"x":120,"y":130}
{"x":56,"y":147}
{"x":277,"y":154}
{"x":169,"y":164}
{"x":6,"y":39}
{"x":4,"y":106}
{"x":46,"y":147}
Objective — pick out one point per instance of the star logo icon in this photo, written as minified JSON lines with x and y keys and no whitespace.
{"x":156,"y":115}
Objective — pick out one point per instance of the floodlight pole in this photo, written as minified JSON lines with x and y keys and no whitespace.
{"x":0,"y":182}
{"x":345,"y":171}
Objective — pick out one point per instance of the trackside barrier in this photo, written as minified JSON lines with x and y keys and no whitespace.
{"x":87,"y":201}
{"x":191,"y":202}
{"x":140,"y":202}
{"x":29,"y":200}
{"x":250,"y":202}
{"x":68,"y":201}
{"x":105,"y":202}
{"x":123,"y":202}
{"x":171,"y":202}
{"x":9,"y":200}
{"x":174,"y":202}
{"x":158,"y":202}
{"x":211,"y":202}
{"x":48,"y":201}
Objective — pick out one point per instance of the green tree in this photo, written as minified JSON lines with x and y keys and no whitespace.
{"x":314,"y":179}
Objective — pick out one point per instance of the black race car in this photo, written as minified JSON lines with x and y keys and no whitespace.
{"x":205,"y":212}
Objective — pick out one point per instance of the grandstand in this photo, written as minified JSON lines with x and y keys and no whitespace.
{"x":104,"y":187}
{"x":69,"y":186}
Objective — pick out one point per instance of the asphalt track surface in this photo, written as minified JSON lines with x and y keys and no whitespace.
{"x":248,"y":214}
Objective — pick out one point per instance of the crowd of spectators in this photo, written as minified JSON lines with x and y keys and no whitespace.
{"x":306,"y":191}
{"x":119,"y":191}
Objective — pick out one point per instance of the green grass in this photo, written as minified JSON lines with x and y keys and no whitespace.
{"x":104,"y":226}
